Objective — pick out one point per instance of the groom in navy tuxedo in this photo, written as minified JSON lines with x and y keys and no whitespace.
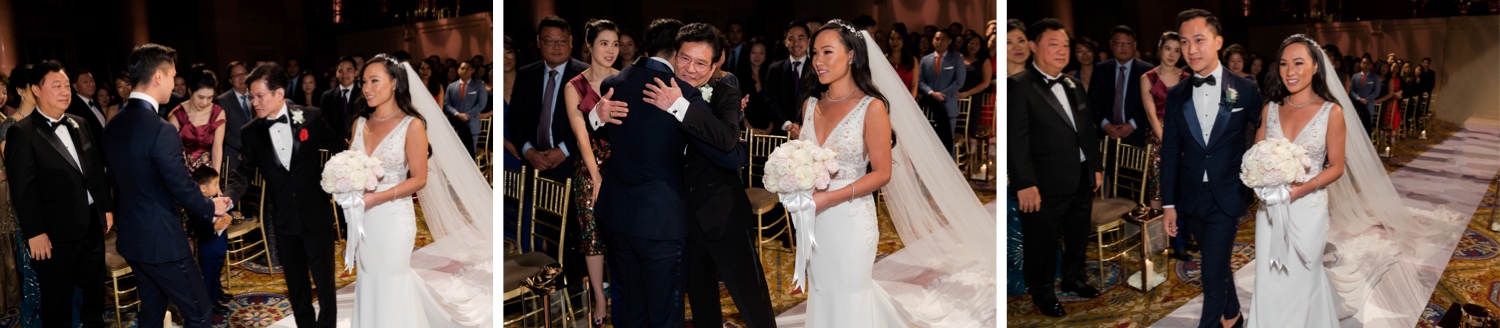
{"x":641,"y":205}
{"x":1208,"y":117}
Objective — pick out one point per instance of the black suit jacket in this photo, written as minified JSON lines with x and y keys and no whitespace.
{"x":715,"y":195}
{"x":339,"y":116}
{"x":49,"y":189}
{"x":1102,"y":98}
{"x":82,"y":111}
{"x":642,"y":194}
{"x":1185,"y":157}
{"x":781,"y":92}
{"x":146,"y":164}
{"x":234,"y":118}
{"x":1043,"y":146}
{"x":526,"y":112}
{"x":295,"y":200}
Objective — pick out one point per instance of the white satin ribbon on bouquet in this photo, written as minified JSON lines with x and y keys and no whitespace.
{"x":1278,"y":201}
{"x":800,"y":206}
{"x":354,"y":214}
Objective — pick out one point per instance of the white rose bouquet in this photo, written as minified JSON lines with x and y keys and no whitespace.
{"x":793,"y":171}
{"x":347,"y":176}
{"x":1271,"y":167}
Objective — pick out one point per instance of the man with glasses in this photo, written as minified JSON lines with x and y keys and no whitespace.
{"x":236,"y":104}
{"x":1114,"y":94}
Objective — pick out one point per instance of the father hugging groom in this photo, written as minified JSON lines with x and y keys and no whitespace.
{"x":1203,"y":139}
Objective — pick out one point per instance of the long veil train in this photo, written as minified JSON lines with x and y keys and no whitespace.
{"x":949,"y":236}
{"x":457,"y":205}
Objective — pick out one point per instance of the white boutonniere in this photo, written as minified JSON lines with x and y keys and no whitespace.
{"x":1069,"y":82}
{"x":1233,"y":95}
{"x":297,"y":116}
{"x":72,"y":123}
{"x":708,"y":92}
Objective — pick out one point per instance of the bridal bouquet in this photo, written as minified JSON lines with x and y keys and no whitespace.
{"x":347,"y":176}
{"x":793,"y":171}
{"x":1270,"y":167}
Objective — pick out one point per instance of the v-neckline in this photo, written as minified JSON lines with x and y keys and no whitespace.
{"x":1281,"y":123}
{"x":836,"y":125}
{"x":370,"y":152}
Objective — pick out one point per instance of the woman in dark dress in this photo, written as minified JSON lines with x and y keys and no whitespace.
{"x":1154,"y":86}
{"x":580,"y":96}
{"x":752,"y":80}
{"x":19,"y":281}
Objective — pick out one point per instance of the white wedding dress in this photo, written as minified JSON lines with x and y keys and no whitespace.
{"x":843,"y":292}
{"x":1299,"y":293}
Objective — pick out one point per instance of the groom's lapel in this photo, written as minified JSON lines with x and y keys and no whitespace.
{"x":1190,"y":114}
{"x":1221,"y":121}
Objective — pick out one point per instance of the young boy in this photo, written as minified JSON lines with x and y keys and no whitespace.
{"x":211,"y":243}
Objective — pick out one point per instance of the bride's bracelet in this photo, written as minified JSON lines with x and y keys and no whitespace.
{"x":1317,"y":183}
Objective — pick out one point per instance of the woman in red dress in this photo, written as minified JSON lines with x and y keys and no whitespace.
{"x":1154,"y":85}
{"x":200,"y":123}
{"x":603,"y":45}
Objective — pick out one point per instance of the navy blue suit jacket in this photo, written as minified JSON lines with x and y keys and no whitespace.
{"x":1185,"y":157}
{"x":642,"y":194}
{"x":144,"y":155}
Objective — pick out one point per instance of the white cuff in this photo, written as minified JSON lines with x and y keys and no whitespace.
{"x":1169,"y":206}
{"x":525,"y":148}
{"x":678,"y":109}
{"x":594,"y":122}
{"x":1132,"y":124}
{"x":564,"y":148}
{"x":786,"y":126}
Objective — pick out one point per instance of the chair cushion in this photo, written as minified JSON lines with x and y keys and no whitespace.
{"x":1109,"y":210}
{"x":112,"y":258}
{"x":532,"y":259}
{"x":242,"y":227}
{"x":761,"y":201}
{"x":515,"y":273}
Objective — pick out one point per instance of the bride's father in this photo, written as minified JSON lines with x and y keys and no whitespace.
{"x":1202,"y":141}
{"x":145,"y":161}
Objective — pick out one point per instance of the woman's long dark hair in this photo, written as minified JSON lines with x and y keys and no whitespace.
{"x":745,"y":71}
{"x":859,"y":70}
{"x":402,"y":95}
{"x":1275,"y":88}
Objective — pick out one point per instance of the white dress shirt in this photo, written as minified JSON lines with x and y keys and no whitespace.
{"x":1206,"y":104}
{"x":1062,"y":98}
{"x":93,"y":107}
{"x":67,"y":141}
{"x":281,"y":138}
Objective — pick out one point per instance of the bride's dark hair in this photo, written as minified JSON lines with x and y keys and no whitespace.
{"x":402,"y":95}
{"x":1275,"y":88}
{"x":859,"y":69}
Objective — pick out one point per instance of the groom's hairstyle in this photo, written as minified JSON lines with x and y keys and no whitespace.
{"x":1047,"y":24}
{"x":146,"y":59}
{"x":661,"y":36}
{"x":1191,"y":14}
{"x":273,"y":74}
{"x":701,"y":32}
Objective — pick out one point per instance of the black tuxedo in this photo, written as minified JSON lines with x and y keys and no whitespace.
{"x":145,"y":162}
{"x":81,"y":110}
{"x":297,"y":207}
{"x":783,"y":92}
{"x":1101,"y":98}
{"x":50,"y":190}
{"x":1054,"y":149}
{"x":721,"y":239}
{"x":640,"y":206}
{"x":340,"y":113}
{"x":1209,"y":210}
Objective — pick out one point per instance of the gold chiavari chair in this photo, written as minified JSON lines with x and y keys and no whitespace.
{"x":241,"y":250}
{"x":1104,"y":147}
{"x":1408,"y":116}
{"x":483,"y":154}
{"x":552,"y":198}
{"x":514,"y":187}
{"x":762,"y":201}
{"x":119,"y":270}
{"x":1424,"y":115}
{"x":961,"y":134}
{"x":1132,"y":168}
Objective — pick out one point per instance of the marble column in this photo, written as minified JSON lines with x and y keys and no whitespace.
{"x":8,"y":52}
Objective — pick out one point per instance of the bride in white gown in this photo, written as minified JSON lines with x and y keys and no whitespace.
{"x":389,"y":292}
{"x":938,"y":217}
{"x":1346,"y":231}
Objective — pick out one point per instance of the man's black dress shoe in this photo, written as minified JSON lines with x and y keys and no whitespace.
{"x":1083,"y":290}
{"x":1050,"y":307}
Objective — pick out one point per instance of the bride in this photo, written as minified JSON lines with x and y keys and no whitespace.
{"x":1348,"y":227}
{"x":939,"y":219}
{"x":389,"y":292}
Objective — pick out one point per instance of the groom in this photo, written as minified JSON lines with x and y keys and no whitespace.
{"x":1203,"y":138}
{"x":283,"y":143}
{"x":144,"y":155}
{"x":641,"y":203}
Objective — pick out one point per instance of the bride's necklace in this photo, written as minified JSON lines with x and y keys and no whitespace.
{"x":383,"y":119}
{"x":846,"y":96}
{"x":1289,"y":102}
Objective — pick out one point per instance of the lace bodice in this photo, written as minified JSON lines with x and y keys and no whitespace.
{"x":847,"y":139}
{"x":391,"y":151}
{"x":1313,"y":137}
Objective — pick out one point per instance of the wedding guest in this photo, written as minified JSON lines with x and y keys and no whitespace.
{"x":1234,"y":59}
{"x":580,"y":95}
{"x":904,"y":61}
{"x":815,"y":23}
{"x":294,"y":71}
{"x":464,"y":101}
{"x":237,"y":111}
{"x":941,"y":86}
{"x":1257,"y":66}
{"x":924,"y":45}
{"x":956,"y":30}
{"x":179,"y":86}
{"x":359,"y":60}
{"x":1115,"y":102}
{"x":211,"y":244}
{"x":738,"y":51}
{"x":1392,"y":99}
{"x":719,"y":72}
{"x":61,"y":198}
{"x":1365,"y":87}
{"x":512,"y":160}
{"x":308,"y":93}
{"x":82,"y":104}
{"x":784,"y":81}
{"x":424,"y":71}
{"x":18,"y":282}
{"x":978,"y":77}
{"x":343,"y":102}
{"x":1154,"y":86}
{"x":1427,"y":76}
{"x":1015,"y":46}
{"x":628,"y":51}
{"x":122,"y":83}
{"x":1083,"y":59}
{"x":757,"y":115}
{"x":201,"y":123}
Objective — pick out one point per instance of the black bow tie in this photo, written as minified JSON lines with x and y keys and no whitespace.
{"x":283,"y":120}
{"x":1199,"y":81}
{"x":55,"y":125}
{"x":1051,"y":82}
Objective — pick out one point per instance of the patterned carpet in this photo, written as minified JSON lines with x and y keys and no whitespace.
{"x":1470,"y":281}
{"x":259,"y":292}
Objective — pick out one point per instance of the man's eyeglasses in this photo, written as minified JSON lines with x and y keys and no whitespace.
{"x":554,"y":43}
